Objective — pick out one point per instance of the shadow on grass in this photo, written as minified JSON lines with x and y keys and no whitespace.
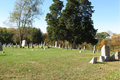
{"x":100,"y":63}
{"x":112,"y":61}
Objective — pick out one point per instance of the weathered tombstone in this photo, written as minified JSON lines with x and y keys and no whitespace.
{"x":1,"y":49}
{"x":117,"y":55}
{"x":55,"y":43}
{"x":84,"y":48}
{"x":94,"y":60}
{"x":5,"y":45}
{"x":32,"y":46}
{"x":24,"y":43}
{"x":102,"y":59}
{"x":105,"y":54}
{"x":94,"y":50}
{"x":105,"y":51}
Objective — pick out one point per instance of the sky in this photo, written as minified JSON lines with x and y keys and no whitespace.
{"x":106,"y":16}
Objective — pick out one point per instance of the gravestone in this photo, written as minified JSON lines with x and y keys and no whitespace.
{"x":117,"y":55}
{"x":94,"y":60}
{"x":102,"y":59}
{"x":94,"y":50}
{"x":55,"y":43}
{"x":105,"y":54}
{"x":80,"y":51}
{"x":105,"y":51}
{"x":5,"y":45}
{"x":1,"y":49}
{"x":84,"y":48}
{"x":32,"y":46}
{"x":24,"y":43}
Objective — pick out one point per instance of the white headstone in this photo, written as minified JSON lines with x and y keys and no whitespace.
{"x":94,"y":60}
{"x":84,"y":48}
{"x":24,"y":43}
{"x":105,"y":51}
{"x":1,"y":47}
{"x":55,"y":43}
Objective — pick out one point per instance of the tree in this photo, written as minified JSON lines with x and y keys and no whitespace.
{"x":52,"y":20}
{"x":24,"y":13}
{"x":76,"y":18}
{"x":102,"y":35}
{"x":5,"y":35}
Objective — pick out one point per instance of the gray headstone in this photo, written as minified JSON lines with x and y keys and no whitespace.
{"x":94,"y":60}
{"x":117,"y":55}
{"x":105,"y":51}
{"x":102,"y":59}
{"x":94,"y":49}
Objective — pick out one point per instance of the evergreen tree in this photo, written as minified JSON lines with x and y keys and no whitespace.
{"x":52,"y":19}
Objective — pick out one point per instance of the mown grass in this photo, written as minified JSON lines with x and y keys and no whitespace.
{"x":55,"y":64}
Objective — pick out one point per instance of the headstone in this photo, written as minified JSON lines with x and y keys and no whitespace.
{"x":94,"y":50}
{"x":24,"y":43}
{"x":80,"y":51}
{"x":1,"y":49}
{"x":94,"y":60}
{"x":44,"y":48}
{"x":41,"y":45}
{"x":105,"y":51}
{"x":84,"y":48}
{"x":32,"y":46}
{"x":55,"y":43}
{"x":102,"y":59}
{"x":117,"y":55}
{"x":5,"y":45}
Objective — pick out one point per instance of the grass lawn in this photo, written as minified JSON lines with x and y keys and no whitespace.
{"x":55,"y":64}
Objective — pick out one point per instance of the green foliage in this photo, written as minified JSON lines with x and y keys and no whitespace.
{"x":102,"y":35}
{"x":24,"y":14}
{"x":73,"y":24}
{"x":5,"y":35}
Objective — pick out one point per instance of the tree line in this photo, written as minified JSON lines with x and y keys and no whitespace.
{"x":31,"y":35}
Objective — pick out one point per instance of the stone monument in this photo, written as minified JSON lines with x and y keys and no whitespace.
{"x":24,"y":43}
{"x":55,"y":43}
{"x":94,"y":60}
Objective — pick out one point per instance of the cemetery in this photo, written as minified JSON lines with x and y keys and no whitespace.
{"x":59,"y":41}
{"x":57,"y":63}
